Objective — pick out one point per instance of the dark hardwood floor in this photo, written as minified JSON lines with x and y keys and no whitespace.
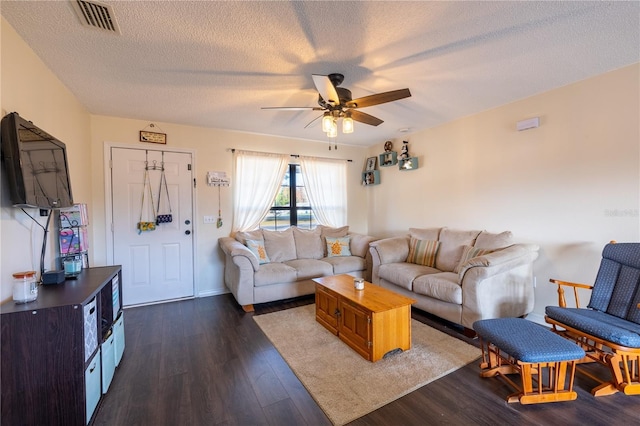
{"x":206,"y":362}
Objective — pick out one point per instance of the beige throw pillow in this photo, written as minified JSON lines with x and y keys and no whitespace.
{"x":308,"y":243}
{"x":280,"y":245}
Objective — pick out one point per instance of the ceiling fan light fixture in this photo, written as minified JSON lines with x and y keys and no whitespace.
{"x":327,"y":122}
{"x":333,"y":131}
{"x":347,"y":124}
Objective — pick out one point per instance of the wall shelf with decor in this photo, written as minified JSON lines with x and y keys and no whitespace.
{"x":408,"y":164}
{"x":371,"y":178}
{"x":388,"y":159}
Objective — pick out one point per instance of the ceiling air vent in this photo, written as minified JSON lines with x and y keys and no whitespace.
{"x":96,"y":15}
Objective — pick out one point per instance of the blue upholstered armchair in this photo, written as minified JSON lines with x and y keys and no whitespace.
{"x":608,"y":329}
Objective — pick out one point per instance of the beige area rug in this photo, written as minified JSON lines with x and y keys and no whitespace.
{"x":344,"y":384}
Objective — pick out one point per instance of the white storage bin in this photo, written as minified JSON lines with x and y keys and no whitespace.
{"x":90,"y":329}
{"x":92,"y":385}
{"x":118,"y":333}
{"x":108,"y":362}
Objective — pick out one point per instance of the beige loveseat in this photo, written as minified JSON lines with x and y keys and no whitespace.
{"x":465,"y":276}
{"x":290,"y":260}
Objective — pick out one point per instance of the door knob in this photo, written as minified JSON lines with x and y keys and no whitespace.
{"x":187,"y":232}
{"x":187,"y":222}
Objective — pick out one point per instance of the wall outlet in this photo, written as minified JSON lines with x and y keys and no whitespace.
{"x":209,"y":219}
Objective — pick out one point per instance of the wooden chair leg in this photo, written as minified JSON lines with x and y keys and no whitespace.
{"x":248,"y":308}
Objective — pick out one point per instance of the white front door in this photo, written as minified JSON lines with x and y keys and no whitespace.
{"x":156,"y":265}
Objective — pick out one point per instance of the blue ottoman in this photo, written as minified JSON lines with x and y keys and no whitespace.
{"x":515,"y":345}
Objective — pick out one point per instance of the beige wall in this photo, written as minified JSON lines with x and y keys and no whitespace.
{"x":571,"y":185}
{"x":29,"y":88}
{"x":212,"y":153}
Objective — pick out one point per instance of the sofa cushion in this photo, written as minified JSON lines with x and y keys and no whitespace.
{"x":308,"y":243}
{"x":423,"y":252}
{"x":310,"y":268}
{"x":274,"y":273}
{"x":280,"y":245}
{"x":338,"y":246}
{"x":487,"y":240}
{"x":442,"y":286}
{"x":346,"y":264}
{"x":258,"y":249}
{"x":402,"y":274}
{"x":598,"y":324}
{"x":242,"y":237}
{"x":468,"y":253}
{"x":425,"y":233}
{"x":451,"y":245}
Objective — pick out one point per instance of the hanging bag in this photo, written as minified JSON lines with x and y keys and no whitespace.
{"x":163,"y":218}
{"x":146,"y":185}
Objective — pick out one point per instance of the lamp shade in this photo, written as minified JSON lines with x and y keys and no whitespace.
{"x":333,"y":131}
{"x":347,"y":124}
{"x":327,"y":122}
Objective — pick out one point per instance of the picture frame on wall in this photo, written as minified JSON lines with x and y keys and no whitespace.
{"x":371,"y":164}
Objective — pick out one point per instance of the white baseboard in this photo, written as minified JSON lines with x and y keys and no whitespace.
{"x":537,"y":318}
{"x":216,"y":292}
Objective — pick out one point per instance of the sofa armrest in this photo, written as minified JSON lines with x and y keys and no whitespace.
{"x":234,"y":248}
{"x":240,"y":266}
{"x":500,"y":260}
{"x":499,"y":284}
{"x":359,"y":244}
{"x":389,"y":250}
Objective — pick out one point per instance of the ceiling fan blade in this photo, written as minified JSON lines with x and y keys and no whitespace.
{"x":326,"y":89}
{"x":379,"y":98}
{"x":295,"y":108}
{"x":314,"y":120}
{"x":365,"y":118}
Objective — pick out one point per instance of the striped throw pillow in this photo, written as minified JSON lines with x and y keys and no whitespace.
{"x":469,"y":253}
{"x":423,"y":252}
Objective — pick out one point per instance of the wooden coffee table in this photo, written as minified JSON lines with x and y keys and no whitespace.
{"x":373,"y":321}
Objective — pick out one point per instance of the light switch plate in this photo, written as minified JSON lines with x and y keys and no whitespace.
{"x":209,"y":219}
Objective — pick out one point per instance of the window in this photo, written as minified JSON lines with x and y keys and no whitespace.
{"x":291,"y":206}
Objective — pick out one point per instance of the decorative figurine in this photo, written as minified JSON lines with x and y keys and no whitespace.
{"x":404,"y":152}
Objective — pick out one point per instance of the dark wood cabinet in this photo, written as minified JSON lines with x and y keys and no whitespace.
{"x":51,"y":349}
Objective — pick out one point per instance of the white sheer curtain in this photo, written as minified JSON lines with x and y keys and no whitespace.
{"x":326,"y":183}
{"x":257,"y":179}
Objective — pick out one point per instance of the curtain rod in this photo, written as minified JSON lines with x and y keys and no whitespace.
{"x":292,"y":155}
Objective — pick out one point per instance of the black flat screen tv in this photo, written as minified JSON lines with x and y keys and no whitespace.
{"x":36,"y":165}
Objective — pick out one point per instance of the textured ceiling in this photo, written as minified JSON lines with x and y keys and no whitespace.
{"x":214,"y":64}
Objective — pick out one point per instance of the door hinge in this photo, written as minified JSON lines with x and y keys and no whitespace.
{"x":369,"y":344}
{"x":189,"y":167}
{"x":368,"y":320}
{"x":194,"y":182}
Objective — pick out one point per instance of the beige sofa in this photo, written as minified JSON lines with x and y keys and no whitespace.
{"x":291,"y":259}
{"x":465,"y":276}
